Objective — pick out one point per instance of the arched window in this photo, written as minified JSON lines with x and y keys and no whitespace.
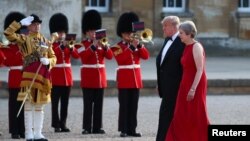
{"x":99,"y":5}
{"x":244,"y":6}
{"x":173,"y":5}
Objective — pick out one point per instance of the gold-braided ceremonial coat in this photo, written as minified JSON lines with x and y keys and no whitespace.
{"x":30,"y":46}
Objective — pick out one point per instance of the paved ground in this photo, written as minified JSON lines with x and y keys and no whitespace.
{"x":217,"y":68}
{"x":225,"y":74}
{"x":222,"y":109}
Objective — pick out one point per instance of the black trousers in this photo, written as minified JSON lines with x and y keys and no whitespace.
{"x":60,"y":93}
{"x":165,"y":117}
{"x":92,"y":108}
{"x":16,"y":124}
{"x":128,"y":106}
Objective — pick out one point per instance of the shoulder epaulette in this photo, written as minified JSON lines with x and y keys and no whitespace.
{"x":118,"y":49}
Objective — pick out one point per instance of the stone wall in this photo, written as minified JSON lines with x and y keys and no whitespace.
{"x":45,"y":9}
{"x":218,"y":22}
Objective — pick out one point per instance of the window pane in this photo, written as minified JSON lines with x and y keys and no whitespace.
{"x":245,"y":3}
{"x":93,"y":2}
{"x":178,"y":3}
{"x":239,"y":3}
{"x":102,"y":3}
{"x":170,"y":3}
{"x":164,"y":3}
{"x":87,"y":2}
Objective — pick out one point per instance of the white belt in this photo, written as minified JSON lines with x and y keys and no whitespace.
{"x":129,"y":66}
{"x":93,"y":66}
{"x":62,"y":65}
{"x":16,"y":67}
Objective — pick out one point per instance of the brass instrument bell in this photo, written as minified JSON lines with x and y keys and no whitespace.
{"x":71,"y":43}
{"x":146,"y":35}
{"x":54,"y":37}
{"x":104,"y":41}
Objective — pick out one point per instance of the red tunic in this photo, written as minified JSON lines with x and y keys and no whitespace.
{"x":129,"y":71}
{"x":61,"y":73}
{"x":2,"y":58}
{"x":93,"y":72}
{"x":190,"y":121}
{"x":13,"y":60}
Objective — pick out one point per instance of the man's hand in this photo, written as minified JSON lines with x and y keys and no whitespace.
{"x":44,"y":60}
{"x":27,"y":21}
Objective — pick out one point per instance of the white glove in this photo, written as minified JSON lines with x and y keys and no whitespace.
{"x":44,"y":60}
{"x":27,"y":21}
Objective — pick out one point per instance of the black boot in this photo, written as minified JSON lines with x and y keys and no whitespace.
{"x":42,"y":139}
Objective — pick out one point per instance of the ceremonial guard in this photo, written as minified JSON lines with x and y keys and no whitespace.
{"x":93,"y":73}
{"x":39,"y":58}
{"x":12,"y":58}
{"x":61,"y":73}
{"x":2,"y":57}
{"x":128,"y":53}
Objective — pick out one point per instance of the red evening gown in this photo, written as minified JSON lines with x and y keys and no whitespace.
{"x":190,"y":121}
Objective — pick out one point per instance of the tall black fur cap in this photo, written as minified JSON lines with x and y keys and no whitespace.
{"x":91,"y":20}
{"x":58,"y":22}
{"x":125,"y":21}
{"x":13,"y":16}
{"x":36,"y":19}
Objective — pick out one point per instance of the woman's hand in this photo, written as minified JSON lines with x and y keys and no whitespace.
{"x":190,"y":95}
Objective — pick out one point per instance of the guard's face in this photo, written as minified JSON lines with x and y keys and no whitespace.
{"x":127,"y":36}
{"x":34,"y":27}
{"x":61,"y":35}
{"x":91,"y":34}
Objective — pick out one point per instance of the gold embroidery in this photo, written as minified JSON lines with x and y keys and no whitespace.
{"x":118,"y":50}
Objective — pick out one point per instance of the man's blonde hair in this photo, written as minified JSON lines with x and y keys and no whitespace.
{"x":172,"y":19}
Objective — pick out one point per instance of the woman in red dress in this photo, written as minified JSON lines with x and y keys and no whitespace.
{"x":190,"y":121}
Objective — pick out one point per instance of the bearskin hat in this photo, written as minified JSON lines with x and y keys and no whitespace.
{"x":58,"y":22}
{"x":125,"y":21}
{"x":13,"y":16}
{"x":36,"y":19}
{"x":91,"y":20}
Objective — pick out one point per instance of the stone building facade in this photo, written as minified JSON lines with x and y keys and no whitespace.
{"x":220,"y":23}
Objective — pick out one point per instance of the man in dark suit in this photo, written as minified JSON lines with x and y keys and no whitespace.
{"x":169,"y":72}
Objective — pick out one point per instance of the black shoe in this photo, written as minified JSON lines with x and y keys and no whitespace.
{"x":84,"y":132}
{"x":123,"y":134}
{"x":57,"y":130}
{"x":15,"y":136}
{"x":100,"y":131}
{"x":65,"y":129}
{"x":42,"y":139}
{"x":22,"y":135}
{"x":134,"y":134}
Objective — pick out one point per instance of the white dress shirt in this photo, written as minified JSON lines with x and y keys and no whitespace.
{"x":167,"y":45}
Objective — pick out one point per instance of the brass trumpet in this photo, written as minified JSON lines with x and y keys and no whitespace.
{"x":144,"y":36}
{"x":71,"y":43}
{"x":104,"y":41}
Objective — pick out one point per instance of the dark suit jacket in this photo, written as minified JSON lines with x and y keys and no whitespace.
{"x":170,"y":71}
{"x":169,"y":75}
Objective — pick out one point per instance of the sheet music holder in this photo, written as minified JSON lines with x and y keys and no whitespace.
{"x":99,"y":34}
{"x":70,"y":37}
{"x":137,"y":26}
